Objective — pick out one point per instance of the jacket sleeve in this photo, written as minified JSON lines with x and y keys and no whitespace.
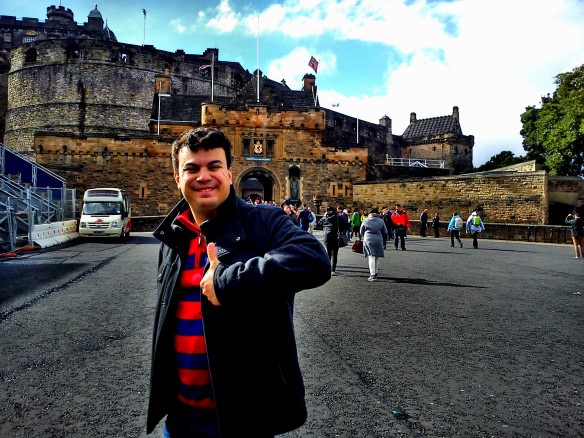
{"x":290,"y":261}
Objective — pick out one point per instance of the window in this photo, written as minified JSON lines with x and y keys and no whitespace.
{"x":29,"y":39}
{"x":30,"y":56}
{"x":245,"y":146}
{"x":255,"y":145}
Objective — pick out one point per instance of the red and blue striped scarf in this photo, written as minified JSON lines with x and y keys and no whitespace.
{"x":194,"y":379}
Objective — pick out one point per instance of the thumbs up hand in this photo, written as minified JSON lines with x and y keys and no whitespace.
{"x":207,"y":286}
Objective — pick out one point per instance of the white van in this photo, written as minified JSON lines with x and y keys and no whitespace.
{"x":106,"y":212}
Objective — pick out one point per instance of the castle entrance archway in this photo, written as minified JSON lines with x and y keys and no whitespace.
{"x":257,"y":185}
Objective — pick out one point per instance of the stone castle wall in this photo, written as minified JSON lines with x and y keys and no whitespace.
{"x":140,"y":166}
{"x":99,"y":87}
{"x":508,"y":197}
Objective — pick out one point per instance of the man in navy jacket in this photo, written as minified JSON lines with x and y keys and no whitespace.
{"x":224,"y":358}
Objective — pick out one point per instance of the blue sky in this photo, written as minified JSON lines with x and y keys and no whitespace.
{"x":491,"y":58}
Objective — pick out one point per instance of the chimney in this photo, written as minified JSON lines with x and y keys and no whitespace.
{"x":455,"y":113}
{"x":412,"y":118}
{"x":308,"y":83}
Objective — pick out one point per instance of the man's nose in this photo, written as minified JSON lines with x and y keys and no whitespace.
{"x":203,"y":174}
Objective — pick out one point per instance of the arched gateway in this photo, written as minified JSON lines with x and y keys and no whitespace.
{"x":257,"y":184}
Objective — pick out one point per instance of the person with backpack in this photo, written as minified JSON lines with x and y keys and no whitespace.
{"x":474,"y":225}
{"x":454,"y":227}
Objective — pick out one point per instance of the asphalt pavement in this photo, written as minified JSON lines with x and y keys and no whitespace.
{"x":447,"y":342}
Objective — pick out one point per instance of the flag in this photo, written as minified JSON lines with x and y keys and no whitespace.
{"x":313,"y":63}
{"x":144,"y":12}
{"x":203,"y":67}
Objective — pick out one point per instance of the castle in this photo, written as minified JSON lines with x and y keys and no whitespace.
{"x":103,"y":113}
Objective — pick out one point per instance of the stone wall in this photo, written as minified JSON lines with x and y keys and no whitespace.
{"x":507,"y":197}
{"x":106,"y":87}
{"x":140,"y":166}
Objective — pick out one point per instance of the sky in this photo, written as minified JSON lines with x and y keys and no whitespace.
{"x":491,"y":58}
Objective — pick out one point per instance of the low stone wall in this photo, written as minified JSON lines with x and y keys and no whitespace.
{"x":523,"y":233}
{"x":519,"y":232}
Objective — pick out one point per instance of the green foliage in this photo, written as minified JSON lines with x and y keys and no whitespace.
{"x":502,"y":159}
{"x":554,"y":134}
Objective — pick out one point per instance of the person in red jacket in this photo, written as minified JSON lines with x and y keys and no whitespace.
{"x":401,"y":221}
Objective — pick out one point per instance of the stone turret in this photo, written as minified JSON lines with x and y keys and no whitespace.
{"x":386,"y":121}
{"x":95,"y":20}
{"x":60,"y":16}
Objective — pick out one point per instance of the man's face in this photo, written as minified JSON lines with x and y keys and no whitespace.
{"x":287,"y":209}
{"x":204,"y":180}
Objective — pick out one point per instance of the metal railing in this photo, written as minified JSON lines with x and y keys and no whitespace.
{"x":23,"y":204}
{"x":414,"y":162}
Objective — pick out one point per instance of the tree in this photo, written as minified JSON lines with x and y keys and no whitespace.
{"x":554,"y":134}
{"x":502,"y":159}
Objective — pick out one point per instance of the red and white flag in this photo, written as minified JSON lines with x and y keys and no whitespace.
{"x":313,"y":63}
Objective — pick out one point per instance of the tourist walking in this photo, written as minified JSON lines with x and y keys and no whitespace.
{"x":436,"y":225}
{"x":311,"y":221}
{"x":576,"y":223}
{"x":355,"y":223}
{"x":454,"y":226}
{"x":304,"y":218}
{"x":401,"y":222}
{"x":374,"y":234}
{"x":424,"y":223}
{"x":330,"y":228}
{"x":474,"y":225}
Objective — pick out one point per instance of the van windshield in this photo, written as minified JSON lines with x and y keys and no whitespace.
{"x":102,"y":208}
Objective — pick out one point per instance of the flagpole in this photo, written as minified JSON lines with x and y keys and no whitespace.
{"x":258,"y":62}
{"x":212,"y":76}
{"x":357,"y":130}
{"x":144,"y":38}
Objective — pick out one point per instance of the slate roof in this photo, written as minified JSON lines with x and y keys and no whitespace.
{"x":187,"y":108}
{"x":432,"y":127}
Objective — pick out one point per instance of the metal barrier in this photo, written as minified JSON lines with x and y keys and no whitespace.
{"x":30,"y":195}
{"x":46,"y":235}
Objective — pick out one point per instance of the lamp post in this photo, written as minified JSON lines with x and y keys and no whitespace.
{"x":159,"y":96}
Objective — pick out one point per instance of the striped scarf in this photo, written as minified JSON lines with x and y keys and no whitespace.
{"x":194,"y":379}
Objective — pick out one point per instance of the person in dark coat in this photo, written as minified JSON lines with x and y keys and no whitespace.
{"x":436,"y":225}
{"x":224,"y":357}
{"x":330,"y":227}
{"x":424,"y":223}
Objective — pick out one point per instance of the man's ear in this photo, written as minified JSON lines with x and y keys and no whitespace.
{"x":177,"y":179}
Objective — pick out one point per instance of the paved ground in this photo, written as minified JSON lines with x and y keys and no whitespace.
{"x":448,"y":342}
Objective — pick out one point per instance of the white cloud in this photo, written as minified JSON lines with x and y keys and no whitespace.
{"x":503,"y":58}
{"x":293,"y":66}
{"x":177,"y":25}
{"x":226,"y":19}
{"x":491,"y":58}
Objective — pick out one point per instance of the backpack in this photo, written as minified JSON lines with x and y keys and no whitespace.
{"x":476,"y":220}
{"x":458,"y":222}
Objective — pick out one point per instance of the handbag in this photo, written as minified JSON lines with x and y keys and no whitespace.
{"x":341,"y":240}
{"x":357,"y":246}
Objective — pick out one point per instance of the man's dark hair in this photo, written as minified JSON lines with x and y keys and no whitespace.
{"x":205,"y":138}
